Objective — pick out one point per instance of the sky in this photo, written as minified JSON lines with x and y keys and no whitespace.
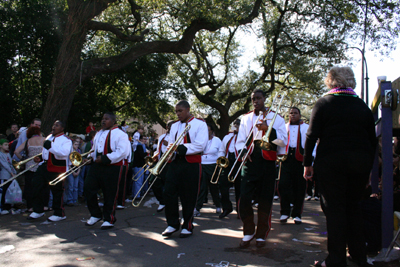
{"x":378,"y":65}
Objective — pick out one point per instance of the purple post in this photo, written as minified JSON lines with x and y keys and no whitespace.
{"x":375,"y":168}
{"x":387,"y":168}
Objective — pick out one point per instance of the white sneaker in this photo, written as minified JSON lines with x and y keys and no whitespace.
{"x":120,"y":207}
{"x":196,"y":213}
{"x":35,"y":215}
{"x":128,"y":200}
{"x":297,"y":220}
{"x":169,"y":231}
{"x":55,"y":218}
{"x":106,"y":225}
{"x":316,"y":198}
{"x":276,"y":197}
{"x":283,"y":218}
{"x":4,"y":212}
{"x":101,"y":204}
{"x":248,"y":237}
{"x":185,"y":233}
{"x":218,"y":210}
{"x":160,"y":208}
{"x":92,"y":221}
{"x":308,"y":198}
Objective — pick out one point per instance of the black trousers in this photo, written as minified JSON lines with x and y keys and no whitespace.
{"x":182,"y":181}
{"x":40,"y":184}
{"x":292,"y":186}
{"x":343,"y":178}
{"x":225,"y":185}
{"x":107,"y":178}
{"x":158,"y":186}
{"x":258,"y":176}
{"x":310,"y":185}
{"x":207,"y":171}
{"x":3,"y":205}
{"x":122,"y":188}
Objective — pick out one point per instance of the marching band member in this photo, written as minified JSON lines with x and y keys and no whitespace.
{"x":55,"y":155}
{"x":259,"y":169}
{"x":208,"y":163}
{"x":227,"y":149}
{"x":112,"y":152}
{"x":184,"y":173}
{"x":292,"y":186}
{"x":158,"y":186}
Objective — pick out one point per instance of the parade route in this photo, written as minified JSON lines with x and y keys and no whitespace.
{"x":136,"y":240}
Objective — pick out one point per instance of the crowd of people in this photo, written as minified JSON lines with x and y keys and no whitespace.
{"x":262,"y":158}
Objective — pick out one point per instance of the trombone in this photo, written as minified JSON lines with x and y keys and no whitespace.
{"x":76,"y":160}
{"x":280,"y":159}
{"x":264,"y":144}
{"x":223,"y":163}
{"x":17,"y":164}
{"x":19,"y":174}
{"x":149,"y":161}
{"x":157,"y":169}
{"x":230,"y":179}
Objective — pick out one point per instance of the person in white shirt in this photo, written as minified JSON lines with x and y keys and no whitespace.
{"x":136,"y":136}
{"x":158,"y":186}
{"x":55,"y":155}
{"x":259,"y":169}
{"x":111,"y":155}
{"x":292,"y":186}
{"x":184,"y":173}
{"x":228,"y":150}
{"x":208,"y":163}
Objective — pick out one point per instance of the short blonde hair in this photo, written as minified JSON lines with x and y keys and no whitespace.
{"x":342,"y":77}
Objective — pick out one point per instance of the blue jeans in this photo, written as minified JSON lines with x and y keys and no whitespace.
{"x":137,"y":184}
{"x":81,"y":179}
{"x":72,"y":189}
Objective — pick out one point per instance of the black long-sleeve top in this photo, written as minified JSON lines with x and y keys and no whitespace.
{"x":342,"y":123}
{"x":139,"y":155}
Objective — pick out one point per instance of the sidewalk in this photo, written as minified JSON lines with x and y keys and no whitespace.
{"x":136,"y":241}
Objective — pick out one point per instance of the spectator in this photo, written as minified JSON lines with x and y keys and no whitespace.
{"x":73,"y":178}
{"x":7,"y":171}
{"x":136,"y":136}
{"x":33,"y":146}
{"x":14,"y":128}
{"x":138,"y":163}
{"x":90,"y":128}
{"x":346,"y":130}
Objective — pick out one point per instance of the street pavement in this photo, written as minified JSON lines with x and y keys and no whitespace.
{"x":136,"y":240}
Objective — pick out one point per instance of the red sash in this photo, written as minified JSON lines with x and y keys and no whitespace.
{"x":56,"y":165}
{"x":298,"y":154}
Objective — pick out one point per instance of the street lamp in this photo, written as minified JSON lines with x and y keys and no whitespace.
{"x":362,"y":75}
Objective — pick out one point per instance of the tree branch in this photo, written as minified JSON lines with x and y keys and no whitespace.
{"x":101,"y":26}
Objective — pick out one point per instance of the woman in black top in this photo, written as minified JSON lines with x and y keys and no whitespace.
{"x":344,"y":125}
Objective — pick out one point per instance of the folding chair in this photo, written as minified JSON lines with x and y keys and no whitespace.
{"x":396,"y":236}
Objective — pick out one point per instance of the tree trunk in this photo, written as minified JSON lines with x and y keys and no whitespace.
{"x":67,"y":74}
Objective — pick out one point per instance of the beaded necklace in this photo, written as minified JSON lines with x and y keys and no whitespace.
{"x":342,"y":92}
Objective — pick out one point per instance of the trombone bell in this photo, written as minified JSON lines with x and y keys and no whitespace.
{"x":75,"y":158}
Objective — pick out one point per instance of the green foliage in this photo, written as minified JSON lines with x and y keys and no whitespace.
{"x":30,"y":36}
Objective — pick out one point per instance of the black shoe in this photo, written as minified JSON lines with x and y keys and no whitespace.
{"x":260,"y":244}
{"x":244,"y":244}
{"x":225,"y":213}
